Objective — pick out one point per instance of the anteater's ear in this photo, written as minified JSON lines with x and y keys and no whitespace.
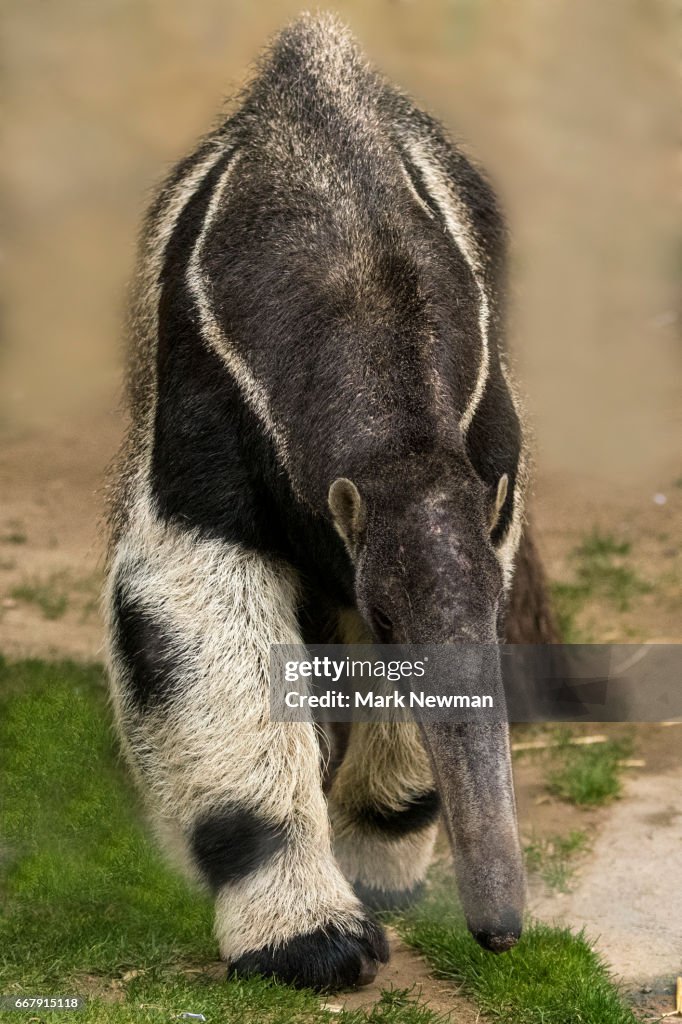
{"x":348,"y":511}
{"x":500,"y":498}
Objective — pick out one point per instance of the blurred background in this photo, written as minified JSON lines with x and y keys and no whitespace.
{"x":573,"y":108}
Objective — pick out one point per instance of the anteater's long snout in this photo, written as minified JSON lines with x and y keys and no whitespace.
{"x":472,"y":767}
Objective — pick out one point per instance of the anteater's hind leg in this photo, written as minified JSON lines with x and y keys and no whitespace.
{"x":383,"y":806}
{"x":384,"y":812}
{"x":238,"y":796}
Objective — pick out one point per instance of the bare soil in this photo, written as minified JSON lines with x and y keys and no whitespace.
{"x":52,"y":541}
{"x":406,"y":969}
{"x":625,"y":887}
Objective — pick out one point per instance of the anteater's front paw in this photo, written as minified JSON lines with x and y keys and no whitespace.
{"x":326,"y":959}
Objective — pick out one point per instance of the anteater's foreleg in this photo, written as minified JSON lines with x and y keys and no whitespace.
{"x":237,"y":797}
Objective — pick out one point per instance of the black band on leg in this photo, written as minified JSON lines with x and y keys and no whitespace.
{"x":418,"y":813}
{"x":234,"y":842}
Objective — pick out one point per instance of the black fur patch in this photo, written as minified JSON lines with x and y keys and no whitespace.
{"x":326,"y":959}
{"x":421,"y":811}
{"x":146,"y":650}
{"x":234,"y":842}
{"x":199,"y":473}
{"x":388,"y":899}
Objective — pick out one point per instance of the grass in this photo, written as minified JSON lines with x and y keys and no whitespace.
{"x":551,"y":858}
{"x":13,"y":537}
{"x":50,"y":595}
{"x":85,"y":890}
{"x":600,"y":569}
{"x":89,"y":907}
{"x":587,"y":775}
{"x":14,"y":532}
{"x":163,"y":996}
{"x":551,"y":977}
{"x":55,"y":595}
{"x":601,"y":572}
{"x":87,"y":903}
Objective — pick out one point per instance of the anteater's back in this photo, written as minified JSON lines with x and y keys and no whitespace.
{"x":320,"y":283}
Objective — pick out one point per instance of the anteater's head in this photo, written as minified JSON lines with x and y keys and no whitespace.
{"x":426,"y":571}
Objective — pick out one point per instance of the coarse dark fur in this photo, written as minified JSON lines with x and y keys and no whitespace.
{"x":323,"y":438}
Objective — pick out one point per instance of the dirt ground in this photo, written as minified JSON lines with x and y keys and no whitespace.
{"x":619,"y":895}
{"x":52,"y":541}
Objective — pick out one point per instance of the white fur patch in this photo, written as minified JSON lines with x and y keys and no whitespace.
{"x":221,"y":607}
{"x":385,"y":765}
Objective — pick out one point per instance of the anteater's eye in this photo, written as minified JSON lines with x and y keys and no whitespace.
{"x":383,"y":626}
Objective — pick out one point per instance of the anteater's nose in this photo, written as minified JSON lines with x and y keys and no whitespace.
{"x":501,"y":935}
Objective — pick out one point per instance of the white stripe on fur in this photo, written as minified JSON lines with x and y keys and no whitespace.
{"x":506,"y":550}
{"x":455,"y":215}
{"x":159,"y":234}
{"x":145,"y":305}
{"x":197,"y":279}
{"x":415,"y":195}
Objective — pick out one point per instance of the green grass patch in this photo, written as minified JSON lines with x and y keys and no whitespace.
{"x":162,"y":996}
{"x":568,"y":600}
{"x":50,"y":595}
{"x":13,"y":537}
{"x":84,"y":888}
{"x":88,"y":907}
{"x":87,"y":904}
{"x":587,"y":775}
{"x":600,"y":572}
{"x":551,"y":977}
{"x":13,"y":534}
{"x":551,"y":858}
